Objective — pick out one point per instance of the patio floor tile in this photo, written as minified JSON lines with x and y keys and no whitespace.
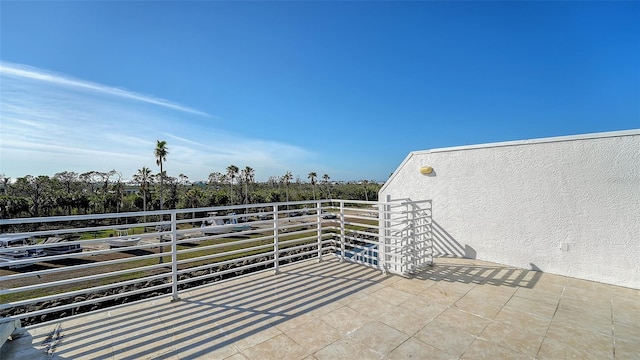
{"x":513,"y":338}
{"x":276,"y":348}
{"x":485,"y":350}
{"x":416,"y":349}
{"x":450,"y":339}
{"x":459,"y":308}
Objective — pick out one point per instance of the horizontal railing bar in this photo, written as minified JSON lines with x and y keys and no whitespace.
{"x":286,"y":225}
{"x":88,"y":302}
{"x":66,"y":230}
{"x":84,"y":266}
{"x":368,"y":238}
{"x":226,"y":262}
{"x":233,"y":252}
{"x":219,"y":246}
{"x":299,"y":232}
{"x":208,"y":237}
{"x":70,"y":255}
{"x":223,"y":272}
{"x":306,"y":240}
{"x":312,"y":240}
{"x":298,"y":247}
{"x":368,"y":231}
{"x":372,"y":242}
{"x":364,"y":247}
{"x":157,"y":212}
{"x":310,"y":252}
{"x":366,"y":227}
{"x":352,"y":217}
{"x":364,"y":263}
{"x":40,"y":259}
{"x":64,"y":218}
{"x":83,"y":291}
{"x":97,"y":252}
{"x":79,"y":279}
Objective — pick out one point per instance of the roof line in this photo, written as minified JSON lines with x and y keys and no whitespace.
{"x":599,"y":135}
{"x":630,"y":132}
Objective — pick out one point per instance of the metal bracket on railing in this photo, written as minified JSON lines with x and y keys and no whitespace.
{"x":10,"y":329}
{"x":384,"y":269}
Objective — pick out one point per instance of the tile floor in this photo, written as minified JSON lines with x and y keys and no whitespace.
{"x":460,"y":308}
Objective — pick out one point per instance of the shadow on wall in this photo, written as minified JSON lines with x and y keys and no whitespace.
{"x":464,"y":271}
{"x":445,"y":244}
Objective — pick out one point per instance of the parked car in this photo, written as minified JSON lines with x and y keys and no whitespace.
{"x":329,"y":215}
{"x":262,"y":215}
{"x":163,"y":227}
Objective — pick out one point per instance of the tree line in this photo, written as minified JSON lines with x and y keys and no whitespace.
{"x":94,"y":192}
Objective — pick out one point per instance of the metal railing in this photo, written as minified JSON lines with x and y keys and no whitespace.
{"x":69,"y":265}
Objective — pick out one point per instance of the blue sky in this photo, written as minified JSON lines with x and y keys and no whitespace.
{"x":342,"y":88}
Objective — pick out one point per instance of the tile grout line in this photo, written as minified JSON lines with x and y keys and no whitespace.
{"x":544,"y":337}
{"x":613,"y":329}
{"x":489,"y":323}
{"x":483,"y":329}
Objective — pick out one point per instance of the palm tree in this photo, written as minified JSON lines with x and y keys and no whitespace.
{"x":232,"y":173}
{"x":143,"y":177}
{"x":248,"y":176}
{"x":161,"y":151}
{"x":325,"y":179}
{"x":312,"y":176}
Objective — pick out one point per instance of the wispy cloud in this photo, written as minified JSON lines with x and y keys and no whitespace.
{"x":28,"y":72}
{"x":51,"y":123}
{"x":185,"y":140}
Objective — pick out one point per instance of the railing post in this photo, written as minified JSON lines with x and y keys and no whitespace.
{"x":430,"y":230}
{"x":342,"y":233}
{"x":276,"y":257}
{"x":411,"y":237}
{"x":381,"y":240}
{"x":174,"y":257}
{"x":319,"y":211}
{"x":387,"y":232}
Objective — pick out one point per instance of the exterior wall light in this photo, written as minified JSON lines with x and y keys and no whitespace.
{"x":426,"y":170}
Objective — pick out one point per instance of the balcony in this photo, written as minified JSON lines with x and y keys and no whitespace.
{"x":365,"y":285}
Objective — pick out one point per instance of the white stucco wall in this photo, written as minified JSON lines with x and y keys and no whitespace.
{"x":566,"y":205}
